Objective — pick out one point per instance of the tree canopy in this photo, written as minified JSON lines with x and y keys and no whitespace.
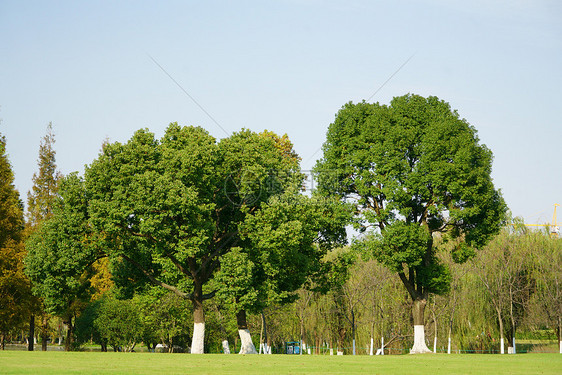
{"x":171,"y":209}
{"x":62,"y":250}
{"x":415,"y":171}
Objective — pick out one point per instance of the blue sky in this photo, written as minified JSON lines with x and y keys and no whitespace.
{"x":286,"y":66}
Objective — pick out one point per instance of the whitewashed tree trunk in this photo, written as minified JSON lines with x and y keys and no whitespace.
{"x":265,"y":349}
{"x":353,"y":346}
{"x":514,"y":348}
{"x":502,"y":350}
{"x":435,"y":344}
{"x":449,"y":346}
{"x":382,"y":345}
{"x":225,"y":347}
{"x":198,"y":339}
{"x":246,"y":342}
{"x":247,"y":345}
{"x":372,"y":346}
{"x":419,"y":346}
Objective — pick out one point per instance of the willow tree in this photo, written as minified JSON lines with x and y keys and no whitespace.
{"x":415,"y":171}
{"x":170,"y":209}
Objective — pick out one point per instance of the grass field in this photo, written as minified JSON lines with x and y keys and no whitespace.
{"x":20,"y":362}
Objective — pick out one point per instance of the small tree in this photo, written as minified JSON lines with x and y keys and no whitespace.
{"x":415,"y":170}
{"x":61,"y":255}
{"x":41,"y":198}
{"x":40,"y":201}
{"x":119,"y":323}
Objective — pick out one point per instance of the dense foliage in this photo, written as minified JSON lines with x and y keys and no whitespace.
{"x":162,"y":233}
{"x":15,"y":292}
{"x":414,"y":170}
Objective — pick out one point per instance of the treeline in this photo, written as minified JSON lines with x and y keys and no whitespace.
{"x":199,"y":244}
{"x":511,"y":290}
{"x":516,"y":277}
{"x":200,"y":218}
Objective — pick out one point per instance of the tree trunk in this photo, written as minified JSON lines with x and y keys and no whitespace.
{"x":30,"y":341}
{"x":69,"y":335}
{"x":2,"y":341}
{"x":511,"y":315}
{"x":44,"y":330}
{"x":302,"y":333}
{"x":198,"y":339}
{"x":502,"y":350}
{"x":418,"y":309}
{"x":449,"y":343}
{"x":560,"y":333}
{"x":247,"y":346}
{"x":353,"y":329}
{"x":263,"y":335}
{"x":435,"y":335}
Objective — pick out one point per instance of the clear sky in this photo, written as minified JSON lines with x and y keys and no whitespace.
{"x":286,"y":66}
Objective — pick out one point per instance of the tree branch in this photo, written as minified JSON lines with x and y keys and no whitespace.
{"x":177,"y":264}
{"x":409,"y":287}
{"x":154,"y":280}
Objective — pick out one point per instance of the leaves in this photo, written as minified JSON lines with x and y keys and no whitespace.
{"x":413,"y":170}
{"x":15,"y":292}
{"x":61,"y":250}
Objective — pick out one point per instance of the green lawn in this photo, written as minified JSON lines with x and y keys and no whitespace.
{"x":21,"y":362}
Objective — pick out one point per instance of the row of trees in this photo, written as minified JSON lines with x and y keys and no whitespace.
{"x":365,"y":304}
{"x":225,"y":224}
{"x":510,"y":288}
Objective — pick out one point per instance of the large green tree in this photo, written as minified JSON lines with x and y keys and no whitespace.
{"x":15,"y":292}
{"x":169,"y":209}
{"x":415,"y":171}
